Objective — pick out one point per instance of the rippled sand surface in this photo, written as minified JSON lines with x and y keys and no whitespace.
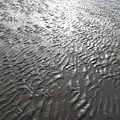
{"x":59,"y":60}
